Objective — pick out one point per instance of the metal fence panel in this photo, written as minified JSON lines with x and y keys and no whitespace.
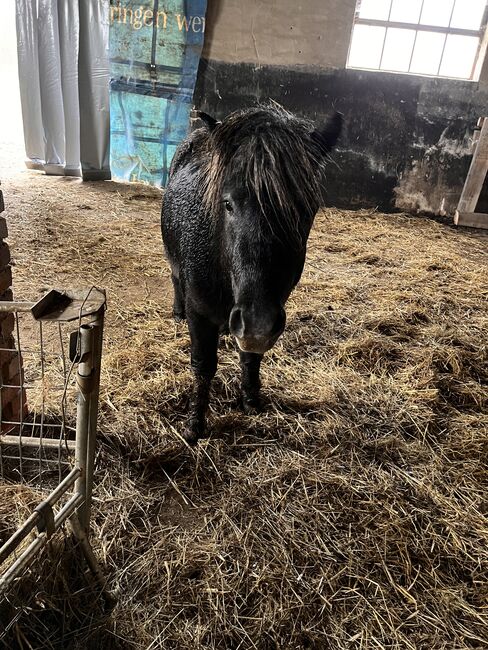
{"x":48,"y":414}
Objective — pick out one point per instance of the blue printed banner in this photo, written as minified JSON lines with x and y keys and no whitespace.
{"x":155,"y":49}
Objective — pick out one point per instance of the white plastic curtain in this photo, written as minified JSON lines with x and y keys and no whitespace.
{"x":64,"y":85}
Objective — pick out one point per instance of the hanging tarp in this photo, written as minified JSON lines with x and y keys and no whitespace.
{"x":64,"y":85}
{"x":155,"y":49}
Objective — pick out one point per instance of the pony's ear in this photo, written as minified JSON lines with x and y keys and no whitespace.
{"x":210,"y":122}
{"x":327,"y":135}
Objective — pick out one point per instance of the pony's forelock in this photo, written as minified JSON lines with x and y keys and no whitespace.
{"x":270,"y":154}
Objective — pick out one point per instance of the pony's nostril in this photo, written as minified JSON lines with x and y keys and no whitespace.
{"x":236,"y":323}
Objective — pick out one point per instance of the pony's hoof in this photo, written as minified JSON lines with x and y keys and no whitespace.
{"x":251,"y":405}
{"x":179,"y":317}
{"x":190,"y":436}
{"x":193,"y":431}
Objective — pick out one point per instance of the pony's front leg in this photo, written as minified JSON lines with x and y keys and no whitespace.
{"x":250,"y":383}
{"x":179,"y":299}
{"x":204,"y":342}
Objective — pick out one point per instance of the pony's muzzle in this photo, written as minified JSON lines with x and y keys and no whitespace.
{"x":256,"y":330}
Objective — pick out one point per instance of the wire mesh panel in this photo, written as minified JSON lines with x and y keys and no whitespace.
{"x":50,"y":360}
{"x":38,"y":406}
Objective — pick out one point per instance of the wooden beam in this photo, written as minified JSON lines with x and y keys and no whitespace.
{"x":471,"y":219}
{"x":476,"y":134}
{"x":476,"y":174}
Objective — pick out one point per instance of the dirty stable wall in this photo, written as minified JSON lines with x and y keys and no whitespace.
{"x":406,"y":142}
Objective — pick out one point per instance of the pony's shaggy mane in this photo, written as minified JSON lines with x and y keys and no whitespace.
{"x":271,"y":154}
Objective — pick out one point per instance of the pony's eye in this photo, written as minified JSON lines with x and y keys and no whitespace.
{"x":228,"y":206}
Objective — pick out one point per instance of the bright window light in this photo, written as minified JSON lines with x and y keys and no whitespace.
{"x":406,"y":12}
{"x":429,"y":37}
{"x":375,"y":9}
{"x":468,"y":14}
{"x":427,"y":53}
{"x":458,"y":56}
{"x":436,"y":12}
{"x":398,"y":49}
{"x":366,"y":46}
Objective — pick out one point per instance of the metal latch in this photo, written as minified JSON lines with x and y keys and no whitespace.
{"x":47,"y":522}
{"x":79,"y":347}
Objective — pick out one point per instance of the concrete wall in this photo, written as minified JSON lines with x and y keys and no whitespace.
{"x":406,"y":143}
{"x":279,"y":32}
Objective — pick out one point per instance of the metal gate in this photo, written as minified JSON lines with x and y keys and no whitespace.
{"x":48,"y":418}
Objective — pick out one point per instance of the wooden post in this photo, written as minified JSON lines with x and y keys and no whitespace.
{"x":465,"y":214}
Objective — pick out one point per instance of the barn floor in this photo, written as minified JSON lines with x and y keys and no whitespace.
{"x":352,"y":512}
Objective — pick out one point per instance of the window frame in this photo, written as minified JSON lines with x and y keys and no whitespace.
{"x":481,"y":34}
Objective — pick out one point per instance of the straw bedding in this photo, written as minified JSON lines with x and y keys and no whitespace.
{"x":350,"y":514}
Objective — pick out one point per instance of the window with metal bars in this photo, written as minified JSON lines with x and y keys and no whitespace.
{"x":440,"y":38}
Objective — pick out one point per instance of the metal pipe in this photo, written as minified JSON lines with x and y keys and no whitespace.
{"x":46,"y":461}
{"x":84,"y":373}
{"x":97,"y":326}
{"x":91,"y":560}
{"x":35,"y":518}
{"x":39,"y":542}
{"x":15,"y":306}
{"x":36,"y":425}
{"x":66,"y":483}
{"x":20,"y":534}
{"x":33,"y":441}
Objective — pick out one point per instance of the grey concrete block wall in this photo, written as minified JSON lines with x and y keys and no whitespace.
{"x":284,"y":33}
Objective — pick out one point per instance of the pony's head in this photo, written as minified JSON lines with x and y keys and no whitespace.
{"x":263,"y":185}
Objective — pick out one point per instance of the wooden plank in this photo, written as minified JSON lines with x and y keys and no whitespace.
{"x":476,"y":174}
{"x":471,"y":219}
{"x":476,"y":134}
{"x":474,"y":140}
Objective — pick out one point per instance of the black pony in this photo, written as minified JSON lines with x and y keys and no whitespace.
{"x":240,"y":202}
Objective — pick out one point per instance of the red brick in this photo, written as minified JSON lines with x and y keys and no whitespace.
{"x":5,"y":279}
{"x":15,"y":407}
{"x":15,"y":367}
{"x":10,"y":366}
{"x":14,"y":380}
{"x":9,"y":395}
{"x":7,"y":324}
{"x":7,"y":341}
{"x":4,"y":254}
{"x":9,"y":363}
{"x":3,"y":228}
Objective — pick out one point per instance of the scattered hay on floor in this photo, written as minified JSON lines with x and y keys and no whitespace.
{"x":352,"y":512}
